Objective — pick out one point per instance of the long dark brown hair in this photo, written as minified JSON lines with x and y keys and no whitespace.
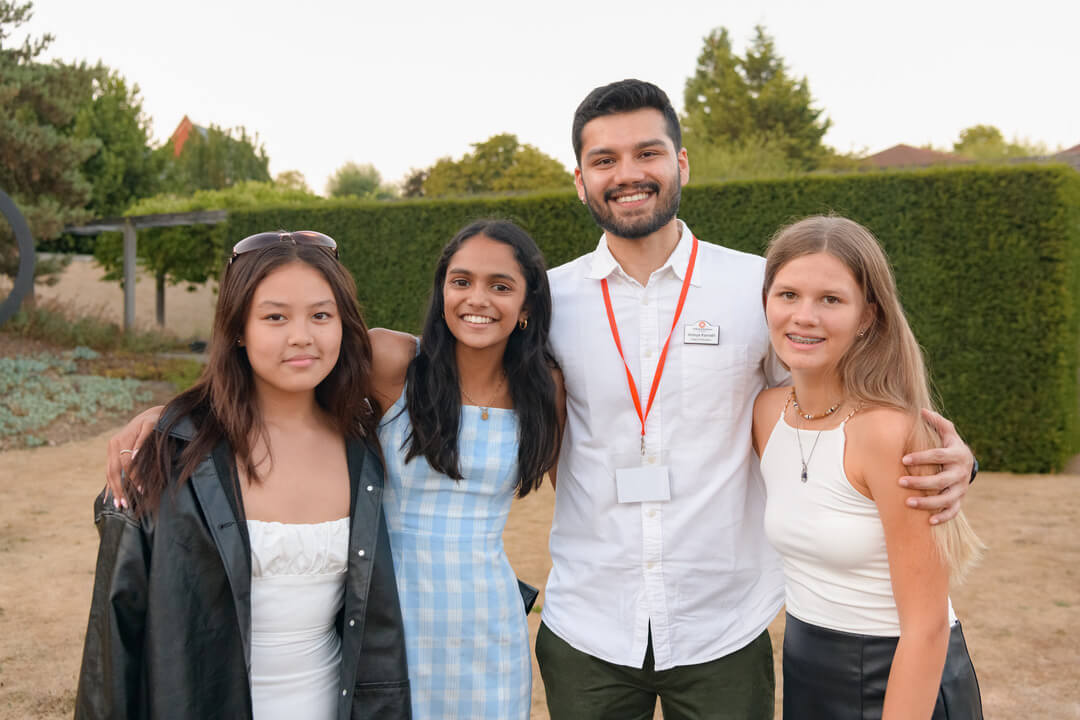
{"x":221,"y":404}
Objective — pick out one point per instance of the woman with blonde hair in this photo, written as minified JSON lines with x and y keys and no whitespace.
{"x":870,"y":629}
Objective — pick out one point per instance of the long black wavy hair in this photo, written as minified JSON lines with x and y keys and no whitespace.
{"x":433,"y":390}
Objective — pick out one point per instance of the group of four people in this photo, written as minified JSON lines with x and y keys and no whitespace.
{"x":315,"y":528}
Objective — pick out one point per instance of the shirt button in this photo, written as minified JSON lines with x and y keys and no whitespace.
{"x":352,"y":623}
{"x":650,"y":566}
{"x":652,"y":513}
{"x":360,"y":552}
{"x":648,"y":353}
{"x":644,"y":299}
{"x":344,"y":693}
{"x":652,"y":460}
{"x":370,"y":488}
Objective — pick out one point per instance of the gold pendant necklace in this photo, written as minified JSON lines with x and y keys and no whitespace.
{"x":484,"y":408}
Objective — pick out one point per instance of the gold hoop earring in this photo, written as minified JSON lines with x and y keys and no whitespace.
{"x":523,"y":323}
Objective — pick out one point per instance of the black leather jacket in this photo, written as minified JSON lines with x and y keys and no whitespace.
{"x":170,"y":619}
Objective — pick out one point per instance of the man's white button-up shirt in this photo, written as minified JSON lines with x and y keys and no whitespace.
{"x":697,"y":568}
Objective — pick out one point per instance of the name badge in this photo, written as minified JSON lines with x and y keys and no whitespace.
{"x":643,"y":484}
{"x":701,"y":333}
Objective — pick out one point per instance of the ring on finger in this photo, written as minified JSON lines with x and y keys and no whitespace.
{"x":127,"y":451}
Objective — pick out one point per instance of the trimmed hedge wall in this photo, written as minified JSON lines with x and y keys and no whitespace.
{"x":987,"y":261}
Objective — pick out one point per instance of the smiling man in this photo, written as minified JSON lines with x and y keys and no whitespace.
{"x":662,"y":583}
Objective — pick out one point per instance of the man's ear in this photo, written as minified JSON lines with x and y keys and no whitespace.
{"x":579,"y":184}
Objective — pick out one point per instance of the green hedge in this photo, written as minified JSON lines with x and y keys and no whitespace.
{"x":987,"y":260}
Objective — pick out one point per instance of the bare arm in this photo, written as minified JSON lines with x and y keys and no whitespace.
{"x":767,"y":407}
{"x":560,"y":412}
{"x":391,"y":352}
{"x":920,"y":579}
{"x":123,"y":446}
{"x":947,"y":486}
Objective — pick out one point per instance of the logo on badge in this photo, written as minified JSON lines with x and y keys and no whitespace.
{"x":701,"y":333}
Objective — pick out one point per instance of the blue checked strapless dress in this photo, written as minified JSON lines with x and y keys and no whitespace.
{"x":466,"y":634}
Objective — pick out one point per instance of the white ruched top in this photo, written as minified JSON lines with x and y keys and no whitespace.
{"x":836,"y":568}
{"x":297,"y":589}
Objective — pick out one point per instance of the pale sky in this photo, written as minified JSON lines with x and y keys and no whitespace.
{"x":401,"y":84}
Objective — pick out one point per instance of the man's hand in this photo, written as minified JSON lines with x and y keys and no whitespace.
{"x":121,"y":451}
{"x":951,"y":483}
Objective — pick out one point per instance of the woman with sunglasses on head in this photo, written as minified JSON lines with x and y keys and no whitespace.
{"x":473,"y":418}
{"x":249,"y":572}
{"x":870,"y":630}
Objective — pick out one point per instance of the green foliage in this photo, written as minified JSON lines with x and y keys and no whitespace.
{"x":985,"y":142}
{"x":748,"y":101}
{"x":40,"y":155}
{"x":192,"y":253}
{"x":293,"y":180}
{"x":987,"y":260}
{"x":35,"y":391}
{"x":413,"y":184}
{"x":58,"y":328}
{"x":751,"y":158}
{"x":214,"y":158}
{"x":358,"y":181}
{"x":500,"y":164}
{"x":124,"y":168}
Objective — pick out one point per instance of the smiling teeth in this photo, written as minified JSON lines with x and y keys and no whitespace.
{"x":632,"y":198}
{"x":806,"y":340}
{"x":476,"y":319}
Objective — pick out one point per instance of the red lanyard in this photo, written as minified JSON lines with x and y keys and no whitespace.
{"x":643,"y":416}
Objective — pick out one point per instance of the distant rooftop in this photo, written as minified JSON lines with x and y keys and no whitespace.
{"x":908,"y":156}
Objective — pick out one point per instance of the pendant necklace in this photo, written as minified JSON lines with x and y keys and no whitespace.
{"x":805,"y":459}
{"x":484,"y":408}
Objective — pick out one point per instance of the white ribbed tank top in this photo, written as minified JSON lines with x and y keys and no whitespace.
{"x":836,"y":568}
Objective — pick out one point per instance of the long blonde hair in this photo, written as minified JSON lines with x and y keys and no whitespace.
{"x":885,"y":367}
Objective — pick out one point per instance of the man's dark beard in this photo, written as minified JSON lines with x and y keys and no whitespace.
{"x":668,"y":207}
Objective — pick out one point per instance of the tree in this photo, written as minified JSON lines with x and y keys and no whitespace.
{"x":751,"y":100}
{"x":499,"y":164}
{"x":413,"y":184}
{"x":213,"y":159}
{"x":124,"y":168}
{"x":361,"y":181}
{"x":40,"y":156}
{"x":190,"y":253}
{"x":292,"y":180}
{"x":985,"y":142}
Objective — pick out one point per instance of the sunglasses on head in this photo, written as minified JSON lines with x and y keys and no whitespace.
{"x":258,"y":241}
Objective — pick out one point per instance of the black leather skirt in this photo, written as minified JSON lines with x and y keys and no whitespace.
{"x":831,"y":675}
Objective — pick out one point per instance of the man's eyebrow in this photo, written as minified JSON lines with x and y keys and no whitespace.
{"x":653,"y":142}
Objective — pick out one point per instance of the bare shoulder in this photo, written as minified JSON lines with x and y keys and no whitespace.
{"x":767,"y":408}
{"x":881,"y":430}
{"x":391,"y":351}
{"x":770,"y":402}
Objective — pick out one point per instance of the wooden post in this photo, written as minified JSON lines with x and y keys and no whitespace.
{"x":129,"y":276}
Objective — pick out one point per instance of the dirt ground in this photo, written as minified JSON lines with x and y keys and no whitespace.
{"x":1021,"y":608}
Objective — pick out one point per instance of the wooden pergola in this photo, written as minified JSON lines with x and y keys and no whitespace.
{"x":129,"y":226}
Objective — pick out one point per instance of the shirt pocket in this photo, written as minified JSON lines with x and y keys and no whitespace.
{"x":713,"y":378}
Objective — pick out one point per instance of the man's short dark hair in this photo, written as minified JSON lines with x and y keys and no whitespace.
{"x":620,"y":97}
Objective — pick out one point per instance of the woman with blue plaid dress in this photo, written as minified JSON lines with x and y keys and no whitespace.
{"x":472,"y":419}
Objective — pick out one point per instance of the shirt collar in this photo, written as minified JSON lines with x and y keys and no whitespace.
{"x":604,"y":263}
